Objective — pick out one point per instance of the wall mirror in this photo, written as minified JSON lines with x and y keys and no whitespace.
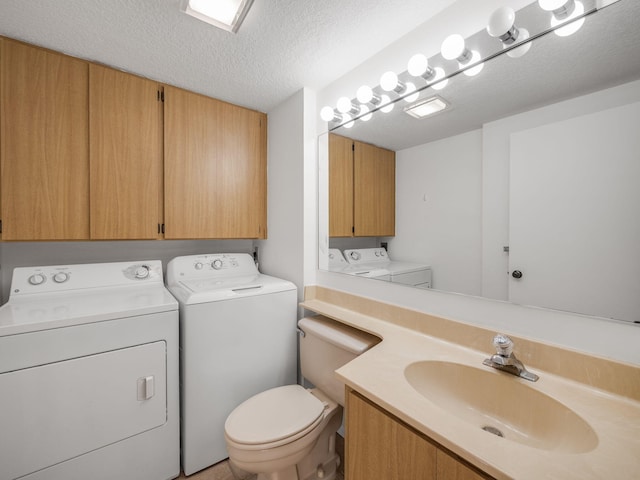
{"x":468,"y":203}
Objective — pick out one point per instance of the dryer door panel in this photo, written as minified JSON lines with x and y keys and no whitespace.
{"x":54,"y":412}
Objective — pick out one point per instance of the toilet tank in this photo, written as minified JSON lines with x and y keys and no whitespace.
{"x":327,"y":345}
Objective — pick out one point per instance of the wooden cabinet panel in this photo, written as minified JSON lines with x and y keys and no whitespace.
{"x":215,"y":168}
{"x":450,"y":468}
{"x":125,"y":155}
{"x":377,"y":446}
{"x":340,"y":186}
{"x":45,"y":144}
{"x":374,"y":191}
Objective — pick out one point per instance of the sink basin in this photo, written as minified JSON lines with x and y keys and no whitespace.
{"x":501,"y":404}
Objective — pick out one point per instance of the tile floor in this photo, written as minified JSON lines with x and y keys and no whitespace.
{"x":221,"y":471}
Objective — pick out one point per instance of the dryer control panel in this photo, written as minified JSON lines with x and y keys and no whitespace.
{"x":218,"y":265}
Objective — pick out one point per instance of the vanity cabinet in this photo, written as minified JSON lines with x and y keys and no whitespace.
{"x":44,"y":126}
{"x":125,"y":113}
{"x":215,"y":168}
{"x":361,"y":189}
{"x":378,"y":445}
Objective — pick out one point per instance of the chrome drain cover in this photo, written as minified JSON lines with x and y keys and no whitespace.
{"x":494,"y":430}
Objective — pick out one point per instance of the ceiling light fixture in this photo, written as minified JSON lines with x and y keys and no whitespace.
{"x":564,"y":11}
{"x":427,"y":107}
{"x":225,"y":14}
{"x":365,"y":95}
{"x":502,"y":26}
{"x":453,"y":48}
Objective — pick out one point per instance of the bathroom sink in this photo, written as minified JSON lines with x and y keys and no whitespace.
{"x":503,"y":405}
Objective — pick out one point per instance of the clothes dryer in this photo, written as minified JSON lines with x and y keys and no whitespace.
{"x":406,"y":273}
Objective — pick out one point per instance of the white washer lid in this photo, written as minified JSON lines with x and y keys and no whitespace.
{"x":273,"y":415}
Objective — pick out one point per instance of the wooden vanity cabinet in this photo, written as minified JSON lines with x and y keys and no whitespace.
{"x":378,"y":445}
{"x":44,"y":155}
{"x":215,"y":168}
{"x":361,"y":189}
{"x":126,"y":145}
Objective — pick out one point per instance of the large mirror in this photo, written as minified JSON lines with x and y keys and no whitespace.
{"x":526,"y":188}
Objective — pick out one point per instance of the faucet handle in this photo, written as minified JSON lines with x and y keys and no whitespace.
{"x":503,"y":345}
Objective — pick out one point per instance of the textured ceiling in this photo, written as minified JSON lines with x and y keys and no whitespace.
{"x":282,"y":46}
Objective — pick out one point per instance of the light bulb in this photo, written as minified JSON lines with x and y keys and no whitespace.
{"x":417,"y":65}
{"x":389,"y":81}
{"x":364,"y":94}
{"x":344,"y":105}
{"x":347,"y":118}
{"x":453,"y":47}
{"x":438,"y":83}
{"x":502,"y":25}
{"x":523,"y":34}
{"x":473,"y":71}
{"x":553,"y":5}
{"x":366,"y":114}
{"x":386,"y":101}
{"x":327,"y":114}
{"x":410,"y":87}
{"x":572,"y":27}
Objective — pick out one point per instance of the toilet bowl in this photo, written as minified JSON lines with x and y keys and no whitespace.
{"x":288,"y":433}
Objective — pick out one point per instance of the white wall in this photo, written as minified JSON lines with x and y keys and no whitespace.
{"x":438,"y":211}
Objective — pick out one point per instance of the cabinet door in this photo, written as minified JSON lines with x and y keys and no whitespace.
{"x":378,"y":446}
{"x":340,"y":186}
{"x":125,"y":114}
{"x":450,"y":468}
{"x":44,"y":127}
{"x":215,"y":168}
{"x":374,"y":191}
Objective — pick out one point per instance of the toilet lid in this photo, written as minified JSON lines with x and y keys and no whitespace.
{"x":273,"y":415}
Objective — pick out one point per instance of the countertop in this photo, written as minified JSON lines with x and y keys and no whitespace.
{"x":610,"y":406}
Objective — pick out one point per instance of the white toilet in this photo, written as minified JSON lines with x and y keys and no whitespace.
{"x":288,"y":433}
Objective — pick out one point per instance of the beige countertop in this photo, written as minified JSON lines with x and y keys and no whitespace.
{"x":610,"y":407}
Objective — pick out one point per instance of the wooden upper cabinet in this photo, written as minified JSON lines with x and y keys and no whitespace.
{"x":45,"y":144}
{"x":340,"y":186}
{"x":125,"y":114}
{"x":362,"y":189}
{"x":215,"y":168}
{"x":374,"y":191}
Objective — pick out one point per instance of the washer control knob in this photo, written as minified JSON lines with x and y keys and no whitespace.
{"x":37,"y":279}
{"x":61,"y":277}
{"x":142,"y":272}
{"x":216,"y":264}
{"x":355,"y":255}
{"x":198,"y":265}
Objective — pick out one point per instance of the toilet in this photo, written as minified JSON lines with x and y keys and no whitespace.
{"x":288,"y":433}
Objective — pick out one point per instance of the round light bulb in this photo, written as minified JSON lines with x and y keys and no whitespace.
{"x":410,"y":87}
{"x":522,"y":49}
{"x":344,"y":105}
{"x":438,"y":83}
{"x":366,"y":114}
{"x":327,"y":114}
{"x":475,"y":57}
{"x":551,"y":5}
{"x":364,"y":94}
{"x":452,"y":47}
{"x":501,"y":21}
{"x":388,"y":81}
{"x":386,"y":101}
{"x":346,"y":120}
{"x":572,"y":27}
{"x":417,"y":65}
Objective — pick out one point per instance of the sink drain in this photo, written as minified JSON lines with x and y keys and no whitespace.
{"x":494,"y":430}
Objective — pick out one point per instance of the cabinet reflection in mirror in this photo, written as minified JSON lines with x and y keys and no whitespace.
{"x":553,"y":178}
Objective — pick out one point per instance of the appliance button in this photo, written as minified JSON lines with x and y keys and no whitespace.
{"x":216,"y":264}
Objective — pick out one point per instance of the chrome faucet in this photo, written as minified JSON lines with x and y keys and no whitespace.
{"x":504,"y":359}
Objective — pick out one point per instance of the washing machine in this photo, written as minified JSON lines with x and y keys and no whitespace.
{"x":337,"y":263}
{"x":89,"y":374}
{"x":237,"y":338}
{"x":406,"y":273}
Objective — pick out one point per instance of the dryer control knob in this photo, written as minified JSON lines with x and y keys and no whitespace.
{"x":61,"y":277}
{"x":355,"y":255}
{"x":216,"y":264}
{"x":142,"y":272}
{"x":37,"y":279}
{"x":198,"y":266}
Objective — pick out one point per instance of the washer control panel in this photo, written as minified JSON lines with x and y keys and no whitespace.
{"x":210,"y":266}
{"x":366,"y":255}
{"x":61,"y":278}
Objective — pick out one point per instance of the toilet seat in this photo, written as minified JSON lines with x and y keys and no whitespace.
{"x":275,"y":417}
